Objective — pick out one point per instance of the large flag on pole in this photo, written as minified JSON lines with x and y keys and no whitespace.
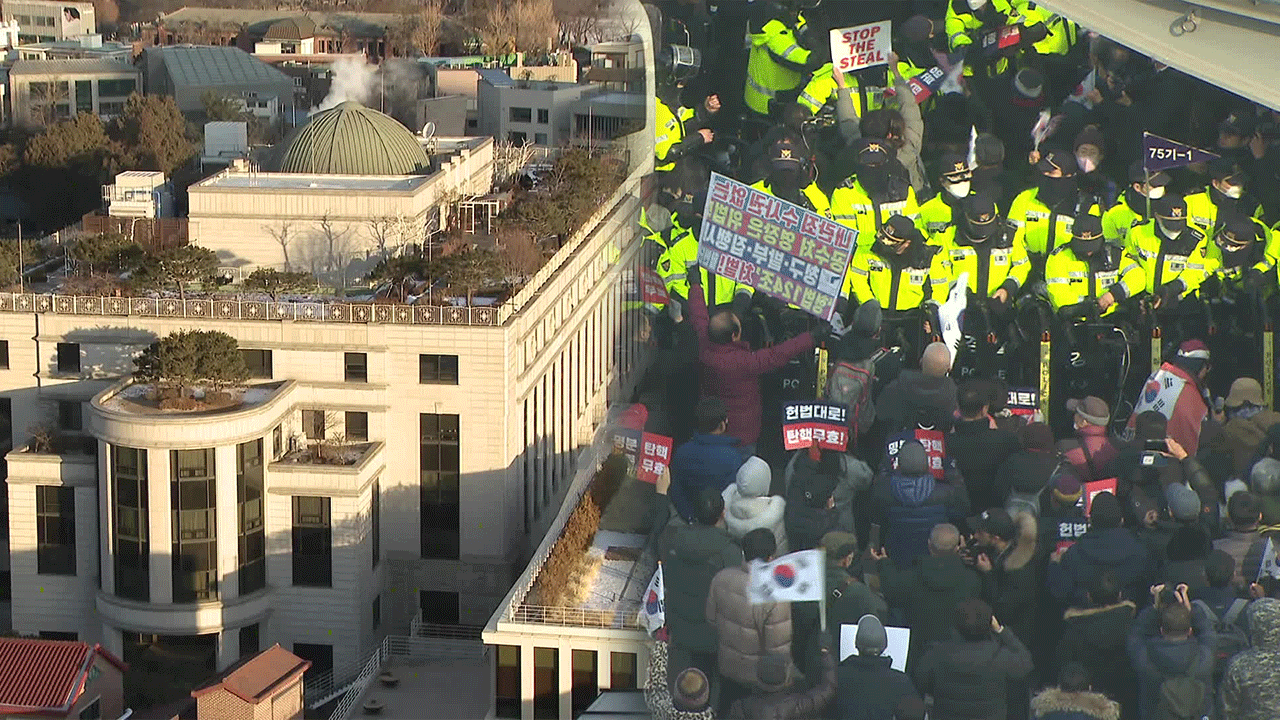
{"x":797,"y":577}
{"x":653,"y":613}
{"x":1164,"y":154}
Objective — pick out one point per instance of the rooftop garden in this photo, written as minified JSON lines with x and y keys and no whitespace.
{"x":190,"y":370}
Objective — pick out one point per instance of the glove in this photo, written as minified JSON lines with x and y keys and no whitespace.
{"x":1212,"y":286}
{"x":1253,"y":280}
{"x":693,"y":273}
{"x":821,"y":333}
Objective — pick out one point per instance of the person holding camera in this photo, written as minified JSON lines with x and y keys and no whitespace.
{"x":1171,"y":647}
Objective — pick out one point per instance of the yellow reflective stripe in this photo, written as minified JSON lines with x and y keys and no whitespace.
{"x":812,"y":101}
{"x":751,"y":83}
{"x":858,"y":271}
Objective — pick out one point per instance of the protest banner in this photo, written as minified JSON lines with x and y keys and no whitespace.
{"x":934,"y":448}
{"x":1001,"y":39}
{"x":863,"y":46}
{"x":1092,"y":489}
{"x":1024,"y":402}
{"x":803,"y":423}
{"x":776,"y":247}
{"x":899,"y":642}
{"x":1164,"y":154}
{"x":652,"y":289}
{"x":655,"y":454}
{"x":1069,"y":531}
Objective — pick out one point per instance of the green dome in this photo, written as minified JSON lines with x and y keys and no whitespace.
{"x":351,"y":139}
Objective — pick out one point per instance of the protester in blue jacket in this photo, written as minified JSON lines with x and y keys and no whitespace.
{"x":709,"y":460}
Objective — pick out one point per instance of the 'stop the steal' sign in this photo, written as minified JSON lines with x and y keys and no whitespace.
{"x":860,"y":47}
{"x":778,"y":248}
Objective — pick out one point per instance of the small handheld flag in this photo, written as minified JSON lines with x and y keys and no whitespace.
{"x":797,"y":577}
{"x":653,"y":613}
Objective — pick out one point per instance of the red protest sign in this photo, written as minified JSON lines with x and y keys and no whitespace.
{"x":863,"y":46}
{"x":652,"y":288}
{"x":804,"y":423}
{"x":1024,"y":401}
{"x":655,"y":454}
{"x":934,"y":448}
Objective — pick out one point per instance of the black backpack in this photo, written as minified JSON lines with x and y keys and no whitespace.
{"x":1184,"y":697}
{"x":1231,"y":637}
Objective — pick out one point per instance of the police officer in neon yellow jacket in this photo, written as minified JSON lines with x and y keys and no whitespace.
{"x":779,"y":62}
{"x":1224,"y":195}
{"x":789,"y":178}
{"x":954,"y":182}
{"x":1045,"y":213}
{"x":899,"y":270}
{"x":1240,"y":247}
{"x":880,"y":189}
{"x":1087,"y":277}
{"x":679,"y":130}
{"x":1130,"y":209}
{"x":981,"y":244}
{"x":1174,"y":254}
{"x":1057,"y":34}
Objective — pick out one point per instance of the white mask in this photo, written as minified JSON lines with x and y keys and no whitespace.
{"x":1171,"y":233}
{"x":959,"y":190}
{"x":1234,"y":191}
{"x":977,"y":4}
{"x":1156,"y":193}
{"x":1086,"y":163}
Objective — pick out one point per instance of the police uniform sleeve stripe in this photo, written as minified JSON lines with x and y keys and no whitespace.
{"x":855,"y":270}
{"x":790,"y":49}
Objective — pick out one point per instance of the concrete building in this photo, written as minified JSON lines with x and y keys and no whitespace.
{"x":81,"y":47}
{"x":50,"y":20}
{"x":323,"y":186}
{"x":278,"y":33}
{"x":139,"y":194}
{"x":50,"y":678}
{"x":266,"y":685}
{"x":521,"y":111}
{"x":204,"y":536}
{"x":44,"y":91}
{"x":187,"y":72}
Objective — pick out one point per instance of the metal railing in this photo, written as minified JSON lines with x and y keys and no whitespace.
{"x":623,"y":617}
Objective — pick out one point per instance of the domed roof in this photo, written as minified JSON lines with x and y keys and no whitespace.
{"x":351,"y":139}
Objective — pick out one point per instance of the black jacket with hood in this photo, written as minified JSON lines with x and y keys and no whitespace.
{"x":1099,"y":550}
{"x":1095,"y":637}
{"x":928,"y":594}
{"x":691,"y":557}
{"x":1010,"y":587}
{"x":869,"y":689}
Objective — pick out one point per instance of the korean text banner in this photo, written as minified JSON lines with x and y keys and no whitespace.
{"x":778,"y":248}
{"x":1165,"y":154}
{"x":803,"y":423}
{"x":860,"y":47}
{"x":1024,"y":401}
{"x":655,"y":455}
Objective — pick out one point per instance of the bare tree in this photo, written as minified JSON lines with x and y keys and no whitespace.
{"x":283,"y":234}
{"x":535,"y":23}
{"x":336,"y":246}
{"x":381,"y":231}
{"x":421,"y":29}
{"x":579,"y":21}
{"x":518,"y":253}
{"x":45,"y":98}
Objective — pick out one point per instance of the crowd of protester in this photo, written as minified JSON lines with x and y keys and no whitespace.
{"x":1026,"y":593}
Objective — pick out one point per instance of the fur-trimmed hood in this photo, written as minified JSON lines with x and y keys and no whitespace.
{"x":1075,"y":612}
{"x":1094,"y":705}
{"x":1024,"y":548}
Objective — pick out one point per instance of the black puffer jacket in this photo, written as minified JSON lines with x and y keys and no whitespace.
{"x":1095,"y":637}
{"x":691,"y":557}
{"x":869,"y":689}
{"x":968,"y":680}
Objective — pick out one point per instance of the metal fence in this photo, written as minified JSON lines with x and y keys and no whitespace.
{"x":624,"y":617}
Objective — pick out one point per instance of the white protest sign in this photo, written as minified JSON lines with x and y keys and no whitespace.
{"x":860,"y":47}
{"x":1269,"y":565}
{"x":950,"y":312}
{"x":899,"y":641}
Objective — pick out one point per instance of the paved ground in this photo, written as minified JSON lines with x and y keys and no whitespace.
{"x":433,"y":690}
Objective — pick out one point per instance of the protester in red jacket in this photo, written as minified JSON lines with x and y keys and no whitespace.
{"x":730,"y":369}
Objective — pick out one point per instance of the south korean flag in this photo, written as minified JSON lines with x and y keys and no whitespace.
{"x":797,"y":577}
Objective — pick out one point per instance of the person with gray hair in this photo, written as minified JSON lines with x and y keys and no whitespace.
{"x":920,"y":398}
{"x":929,"y":593}
{"x":869,"y":688}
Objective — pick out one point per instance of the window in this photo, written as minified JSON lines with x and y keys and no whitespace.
{"x":357,"y":426}
{"x":438,"y":369}
{"x":438,"y":485}
{"x":375,"y":521}
{"x":507,"y":682}
{"x":622,"y":671}
{"x":93,"y":711}
{"x":377,"y":611}
{"x":84,"y":96}
{"x":69,"y":357}
{"x":252,"y":540}
{"x":258,"y":362}
{"x":195,"y":535}
{"x":312,"y":542}
{"x":544,"y":116}
{"x":110,"y":108}
{"x":297,"y":82}
{"x":438,"y":607}
{"x":116,"y":88}
{"x":546,"y":684}
{"x":321,"y":657}
{"x":517,"y":138}
{"x":249,"y":640}
{"x":539,"y":138}
{"x":357,"y":367}
{"x":69,"y":417}
{"x":58,"y":635}
{"x":585,"y":681}
{"x":277,"y":441}
{"x":522,"y":115}
{"x":132,"y":549}
{"x":4,"y":354}
{"x":55,"y":530}
{"x":313,"y":424}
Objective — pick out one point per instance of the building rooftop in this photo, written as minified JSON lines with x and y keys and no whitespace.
{"x":140,"y":399}
{"x":496,"y":77}
{"x":44,"y":675}
{"x":259,"y":21}
{"x":294,"y":28}
{"x":204,"y":65}
{"x":307,"y":181}
{"x":254,"y":679}
{"x":80,"y":66}
{"x":351,"y":139}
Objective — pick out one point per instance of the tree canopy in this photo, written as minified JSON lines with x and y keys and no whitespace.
{"x":176,"y":267}
{"x":108,"y":252}
{"x":274,"y":282}
{"x":182,"y":359}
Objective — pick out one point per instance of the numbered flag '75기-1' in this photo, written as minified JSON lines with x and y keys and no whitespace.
{"x":796,"y":577}
{"x":1164,"y":154}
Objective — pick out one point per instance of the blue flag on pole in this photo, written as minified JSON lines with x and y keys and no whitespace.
{"x":1163,"y":154}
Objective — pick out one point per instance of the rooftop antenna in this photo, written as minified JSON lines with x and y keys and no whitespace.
{"x":428,"y":130}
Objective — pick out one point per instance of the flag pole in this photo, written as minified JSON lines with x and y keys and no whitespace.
{"x":822,"y":599}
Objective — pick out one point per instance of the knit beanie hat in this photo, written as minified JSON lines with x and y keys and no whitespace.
{"x":1067,"y":488}
{"x":912,"y":459}
{"x":691,"y":692}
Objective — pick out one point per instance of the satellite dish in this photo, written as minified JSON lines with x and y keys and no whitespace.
{"x":428,"y":130}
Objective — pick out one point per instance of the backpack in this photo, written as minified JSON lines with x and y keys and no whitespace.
{"x":849,"y":383}
{"x":1183,"y":697}
{"x":1231,"y":637}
